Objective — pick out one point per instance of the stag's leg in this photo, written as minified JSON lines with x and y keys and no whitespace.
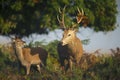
{"x":70,"y":64}
{"x":62,"y":63}
{"x":77,"y":60}
{"x":38,"y":68}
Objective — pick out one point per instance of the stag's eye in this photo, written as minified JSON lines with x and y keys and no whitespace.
{"x":69,"y":34}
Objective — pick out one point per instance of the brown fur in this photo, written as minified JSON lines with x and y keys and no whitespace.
{"x":69,"y":49}
{"x":29,"y":56}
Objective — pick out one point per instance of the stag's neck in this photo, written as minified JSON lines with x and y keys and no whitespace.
{"x":73,"y":42}
{"x":72,"y":46}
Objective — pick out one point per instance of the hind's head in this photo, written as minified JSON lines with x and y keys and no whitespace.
{"x":17,"y":42}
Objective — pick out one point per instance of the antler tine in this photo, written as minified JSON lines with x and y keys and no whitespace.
{"x":60,"y":11}
{"x":80,"y":15}
{"x":82,"y":12}
{"x":79,"y":11}
{"x":58,"y":19}
{"x":61,"y":22}
{"x":58,"y":16}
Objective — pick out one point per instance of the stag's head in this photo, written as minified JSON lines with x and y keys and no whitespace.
{"x":68,"y":36}
{"x":70,"y":33}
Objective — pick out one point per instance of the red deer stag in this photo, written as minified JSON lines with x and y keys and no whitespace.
{"x":29,"y":56}
{"x":70,"y":47}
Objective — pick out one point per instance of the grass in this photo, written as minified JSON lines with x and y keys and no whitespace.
{"x":90,"y":68}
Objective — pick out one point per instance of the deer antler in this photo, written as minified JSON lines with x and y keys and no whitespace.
{"x":79,"y":17}
{"x":61,"y":22}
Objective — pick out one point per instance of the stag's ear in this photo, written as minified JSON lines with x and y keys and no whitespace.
{"x":62,"y":29}
{"x":75,"y":29}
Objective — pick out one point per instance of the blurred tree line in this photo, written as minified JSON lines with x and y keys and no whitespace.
{"x":23,"y":17}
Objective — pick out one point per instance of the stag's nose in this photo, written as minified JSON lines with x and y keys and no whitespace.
{"x":62,"y":43}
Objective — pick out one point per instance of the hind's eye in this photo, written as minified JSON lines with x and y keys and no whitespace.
{"x":69,"y":34}
{"x":63,"y":35}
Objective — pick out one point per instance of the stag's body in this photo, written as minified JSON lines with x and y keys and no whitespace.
{"x":70,"y":49}
{"x":29,"y":56}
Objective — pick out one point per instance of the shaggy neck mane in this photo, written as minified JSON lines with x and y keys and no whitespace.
{"x":73,"y":44}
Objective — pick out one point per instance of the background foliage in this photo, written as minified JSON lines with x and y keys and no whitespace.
{"x":39,"y":16}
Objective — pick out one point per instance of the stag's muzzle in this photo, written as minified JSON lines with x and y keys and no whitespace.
{"x":63,"y":43}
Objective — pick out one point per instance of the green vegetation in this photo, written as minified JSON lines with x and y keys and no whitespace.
{"x":39,"y":16}
{"x":90,"y":68}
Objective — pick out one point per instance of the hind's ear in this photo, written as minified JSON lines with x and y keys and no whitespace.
{"x":24,"y":43}
{"x":13,"y":39}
